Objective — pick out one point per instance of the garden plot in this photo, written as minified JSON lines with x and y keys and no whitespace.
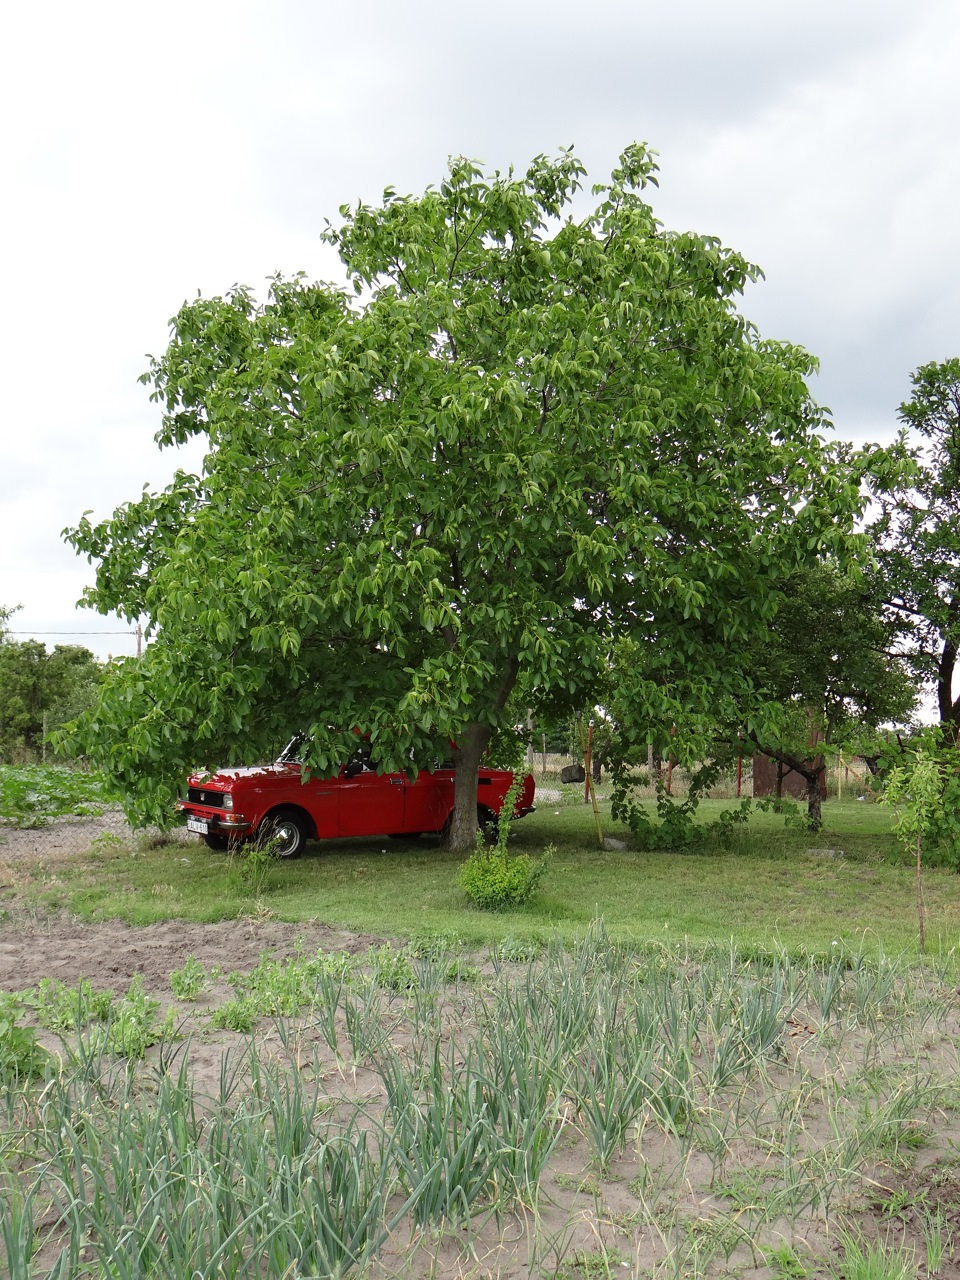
{"x":197,"y":1105}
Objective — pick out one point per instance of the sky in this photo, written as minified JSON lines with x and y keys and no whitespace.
{"x":153,"y":151}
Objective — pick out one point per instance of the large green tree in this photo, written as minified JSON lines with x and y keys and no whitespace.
{"x":514,"y":436}
{"x":918,"y":537}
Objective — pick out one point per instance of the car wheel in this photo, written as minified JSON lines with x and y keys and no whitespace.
{"x":286,"y":832}
{"x":219,"y":843}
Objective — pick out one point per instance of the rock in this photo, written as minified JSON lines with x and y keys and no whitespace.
{"x":572,"y":773}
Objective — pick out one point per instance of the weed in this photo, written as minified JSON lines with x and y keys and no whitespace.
{"x":61,"y":1008}
{"x":20,"y":1055}
{"x":133,"y":1026}
{"x":236,"y":1015}
{"x":785,"y":1263}
{"x":599,"y":1264}
{"x":874,"y":1260}
{"x":190,"y":981}
{"x":392,"y":969}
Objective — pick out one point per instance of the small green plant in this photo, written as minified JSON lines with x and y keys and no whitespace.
{"x":392,"y":969}
{"x":20,"y":1055}
{"x":190,"y":981}
{"x":495,"y":880}
{"x":937,"y":1239}
{"x":599,"y":1264}
{"x":253,"y":860}
{"x":876,"y":1260}
{"x":236,"y":1015}
{"x":133,"y":1025}
{"x":785,"y":1263}
{"x":62,"y":1008}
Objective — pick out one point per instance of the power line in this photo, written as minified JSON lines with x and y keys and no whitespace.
{"x":71,"y":633}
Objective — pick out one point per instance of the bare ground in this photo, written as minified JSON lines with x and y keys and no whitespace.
{"x":594,"y":1221}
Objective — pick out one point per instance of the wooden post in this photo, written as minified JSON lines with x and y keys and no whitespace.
{"x":588,"y":765}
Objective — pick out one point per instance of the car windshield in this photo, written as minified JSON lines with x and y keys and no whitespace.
{"x":291,"y":752}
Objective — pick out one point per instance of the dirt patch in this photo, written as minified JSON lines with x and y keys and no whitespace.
{"x":58,"y":840}
{"x":110,"y":953}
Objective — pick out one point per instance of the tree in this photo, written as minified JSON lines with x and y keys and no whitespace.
{"x":40,"y":690}
{"x":830,"y":670}
{"x":513,"y":438}
{"x":918,"y":537}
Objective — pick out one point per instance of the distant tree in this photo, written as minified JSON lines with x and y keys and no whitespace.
{"x":518,"y":437}
{"x":39,"y":690}
{"x":821,"y":677}
{"x":917,"y":536}
{"x":831,"y":668}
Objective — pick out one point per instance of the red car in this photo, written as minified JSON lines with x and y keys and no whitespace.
{"x":272,"y":801}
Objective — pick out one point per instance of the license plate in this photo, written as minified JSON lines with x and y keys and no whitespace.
{"x":200,"y":825}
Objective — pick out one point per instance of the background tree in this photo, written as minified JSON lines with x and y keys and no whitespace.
{"x":918,"y":537}
{"x":831,"y":670}
{"x":40,"y":690}
{"x":821,"y":677}
{"x":512,"y":439}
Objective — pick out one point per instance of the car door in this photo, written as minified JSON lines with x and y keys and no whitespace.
{"x":371,"y":804}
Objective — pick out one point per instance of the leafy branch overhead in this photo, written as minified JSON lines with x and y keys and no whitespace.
{"x":512,"y":438}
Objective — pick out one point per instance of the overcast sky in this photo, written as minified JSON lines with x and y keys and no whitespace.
{"x":152,"y":151}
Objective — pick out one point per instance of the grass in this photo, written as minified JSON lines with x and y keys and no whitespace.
{"x":770,"y":889}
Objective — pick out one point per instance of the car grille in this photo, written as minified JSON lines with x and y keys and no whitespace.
{"x":200,"y":795}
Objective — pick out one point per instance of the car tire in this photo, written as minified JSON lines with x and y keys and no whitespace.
{"x":219,"y":844}
{"x":287,"y":831}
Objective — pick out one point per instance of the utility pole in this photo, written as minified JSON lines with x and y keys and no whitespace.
{"x":139,"y":640}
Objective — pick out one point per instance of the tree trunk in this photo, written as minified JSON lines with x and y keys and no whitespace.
{"x":462,"y":836}
{"x":471,"y":746}
{"x":814,"y":809}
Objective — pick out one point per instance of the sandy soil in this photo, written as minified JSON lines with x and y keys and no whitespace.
{"x":110,"y":953}
{"x":588,"y":1214}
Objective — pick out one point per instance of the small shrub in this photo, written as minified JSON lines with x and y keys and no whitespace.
{"x":236,"y":1015}
{"x":133,"y":1025}
{"x":495,"y":880}
{"x":392,"y":970}
{"x":62,"y":1008}
{"x":187,"y":983}
{"x":20,"y":1055}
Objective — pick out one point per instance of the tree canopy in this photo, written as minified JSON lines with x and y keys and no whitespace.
{"x":515,"y":436}
{"x":918,"y":536}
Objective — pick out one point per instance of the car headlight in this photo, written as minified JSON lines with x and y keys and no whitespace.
{"x":227,"y":800}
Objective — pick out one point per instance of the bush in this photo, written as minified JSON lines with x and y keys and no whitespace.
{"x":494,"y":880}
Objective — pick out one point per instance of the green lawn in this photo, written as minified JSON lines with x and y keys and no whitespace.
{"x":773,"y":887}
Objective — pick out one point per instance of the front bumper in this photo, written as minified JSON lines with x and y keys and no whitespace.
{"x":203,"y":821}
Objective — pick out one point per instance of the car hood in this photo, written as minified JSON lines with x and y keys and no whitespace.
{"x":233,"y":772}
